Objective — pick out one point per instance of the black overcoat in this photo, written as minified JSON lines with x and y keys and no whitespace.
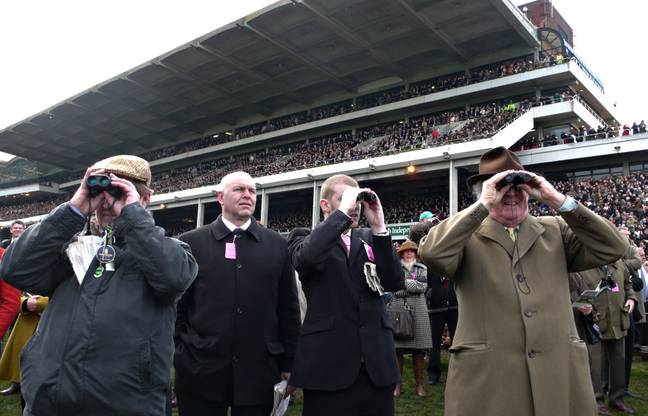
{"x":238,"y":323}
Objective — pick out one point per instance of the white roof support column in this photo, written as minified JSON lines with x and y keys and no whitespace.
{"x":265,"y":201}
{"x":453,"y":196}
{"x":316,"y":208}
{"x":200,"y":216}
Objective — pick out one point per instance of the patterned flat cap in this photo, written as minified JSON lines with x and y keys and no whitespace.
{"x":126,"y":165}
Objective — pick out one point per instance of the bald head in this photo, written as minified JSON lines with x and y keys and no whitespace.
{"x":234,"y":176}
{"x":236,"y":194}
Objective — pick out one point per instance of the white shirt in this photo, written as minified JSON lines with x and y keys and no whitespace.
{"x":233,"y":227}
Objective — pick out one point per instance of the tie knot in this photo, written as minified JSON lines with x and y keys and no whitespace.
{"x":238,"y":232}
{"x":512,"y":231}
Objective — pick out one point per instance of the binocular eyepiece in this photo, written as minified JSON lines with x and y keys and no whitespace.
{"x":366,"y":196}
{"x":102,"y":183}
{"x":516,"y":179}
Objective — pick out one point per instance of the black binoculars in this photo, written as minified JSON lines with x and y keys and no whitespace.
{"x":102,"y":183}
{"x":608,"y":281}
{"x":515,"y":179}
{"x":366,"y":196}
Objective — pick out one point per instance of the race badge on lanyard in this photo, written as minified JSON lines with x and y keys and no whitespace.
{"x":369,"y":250}
{"x":230,"y":249}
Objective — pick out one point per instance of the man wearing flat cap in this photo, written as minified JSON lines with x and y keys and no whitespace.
{"x":516,"y":330}
{"x":105,"y":342}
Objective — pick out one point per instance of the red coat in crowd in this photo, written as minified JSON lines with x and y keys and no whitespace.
{"x":9,"y":303}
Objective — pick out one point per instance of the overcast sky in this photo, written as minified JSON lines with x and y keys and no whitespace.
{"x":52,"y":50}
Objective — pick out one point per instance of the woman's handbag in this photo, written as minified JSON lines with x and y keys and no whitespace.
{"x":402,"y":318}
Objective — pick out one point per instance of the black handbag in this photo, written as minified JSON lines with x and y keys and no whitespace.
{"x":402,"y":318}
{"x":592,"y":331}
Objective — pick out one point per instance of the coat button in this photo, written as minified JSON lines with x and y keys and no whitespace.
{"x":239,"y":266}
{"x":239,"y":311}
{"x":528,"y":314}
{"x":532,"y":354}
{"x":235,"y":359}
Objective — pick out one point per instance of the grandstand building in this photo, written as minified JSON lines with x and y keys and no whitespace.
{"x":404,"y":95}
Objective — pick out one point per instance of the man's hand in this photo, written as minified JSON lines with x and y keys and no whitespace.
{"x":541,"y":190}
{"x":285,"y":376}
{"x":130,"y":194}
{"x":629,"y":305}
{"x":374,"y":213}
{"x":349,"y":202}
{"x":490,"y":195}
{"x":82,"y":196}
{"x":32,"y":302}
{"x":585,"y":309}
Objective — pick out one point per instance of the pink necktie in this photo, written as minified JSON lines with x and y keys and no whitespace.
{"x":347,"y":242}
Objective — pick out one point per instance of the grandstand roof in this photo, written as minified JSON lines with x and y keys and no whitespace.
{"x":291,"y":54}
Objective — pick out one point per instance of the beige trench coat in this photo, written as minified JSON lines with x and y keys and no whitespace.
{"x":516,"y":350}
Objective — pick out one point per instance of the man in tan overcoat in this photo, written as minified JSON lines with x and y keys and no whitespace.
{"x":516,"y":350}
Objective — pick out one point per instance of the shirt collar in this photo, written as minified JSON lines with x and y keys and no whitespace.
{"x":230,"y":226}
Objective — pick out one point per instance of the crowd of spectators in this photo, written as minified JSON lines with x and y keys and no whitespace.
{"x":480,"y":122}
{"x":286,"y":221}
{"x":579,"y":134}
{"x":621,"y":199}
{"x":441,"y":83}
{"x":11,"y":210}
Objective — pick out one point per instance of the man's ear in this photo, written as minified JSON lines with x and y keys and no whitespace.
{"x":325,"y":205}
{"x":145,"y":200}
{"x":219,"y":197}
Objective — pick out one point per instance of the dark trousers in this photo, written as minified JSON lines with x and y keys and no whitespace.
{"x":362,"y":398}
{"x":614,"y":351}
{"x":437,"y":321}
{"x":629,"y":345}
{"x":192,"y":405}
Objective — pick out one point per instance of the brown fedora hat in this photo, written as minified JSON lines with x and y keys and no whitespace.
{"x":407,"y":245}
{"x":494,"y":161}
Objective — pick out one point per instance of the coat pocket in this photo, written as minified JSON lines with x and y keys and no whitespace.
{"x":318,"y":325}
{"x":469,"y":346}
{"x":275,"y":347}
{"x":625,"y":319}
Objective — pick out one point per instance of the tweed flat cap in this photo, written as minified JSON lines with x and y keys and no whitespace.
{"x":130,"y":166}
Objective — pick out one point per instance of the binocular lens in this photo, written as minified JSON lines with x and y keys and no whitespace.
{"x":101,"y":181}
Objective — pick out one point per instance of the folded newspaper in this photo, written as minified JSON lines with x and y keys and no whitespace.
{"x":281,"y":399}
{"x":589,"y":295}
{"x":82,"y":252}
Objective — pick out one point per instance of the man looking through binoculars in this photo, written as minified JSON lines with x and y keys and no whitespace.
{"x":105,"y":342}
{"x":510,"y":270}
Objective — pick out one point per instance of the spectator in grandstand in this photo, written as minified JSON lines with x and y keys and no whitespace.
{"x":345,"y":360}
{"x":620,"y":199}
{"x":104,"y":344}
{"x":413,"y":295}
{"x":16,"y":229}
{"x":427,"y":216}
{"x":614,"y":307}
{"x":497,"y":239}
{"x":237,"y":325}
{"x":32,"y":307}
